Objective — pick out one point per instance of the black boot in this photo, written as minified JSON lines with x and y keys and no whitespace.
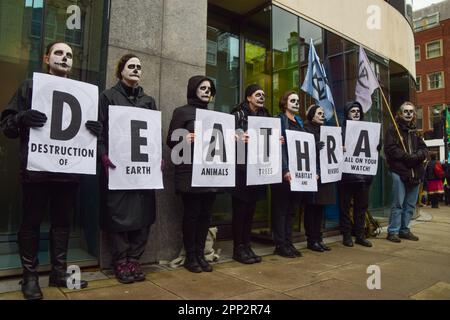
{"x":206,"y":267}
{"x":59,"y":242}
{"x":241,"y":255}
{"x":28,"y":247}
{"x":347,"y":240}
{"x":191,"y":263}
{"x":252,"y":254}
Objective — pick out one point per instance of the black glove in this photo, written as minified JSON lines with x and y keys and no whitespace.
{"x":320,"y":145}
{"x":94,"y":127}
{"x":31,"y":119}
{"x":379,"y":147}
{"x":422,"y":155}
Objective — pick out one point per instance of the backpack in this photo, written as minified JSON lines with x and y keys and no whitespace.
{"x":438,"y":170}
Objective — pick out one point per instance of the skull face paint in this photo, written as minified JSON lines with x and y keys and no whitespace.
{"x":319,"y":116}
{"x":60,"y":59}
{"x":204,"y":91}
{"x":407,"y":113}
{"x":354,"y":114}
{"x":257,"y":99}
{"x":132,"y":72}
{"x":293,"y":103}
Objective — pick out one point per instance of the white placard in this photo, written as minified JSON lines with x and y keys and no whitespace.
{"x":361,"y":141}
{"x":264,"y":151}
{"x":135,"y":148}
{"x":214,"y":150}
{"x":63,"y":144}
{"x":331,"y":155}
{"x":302,"y":160}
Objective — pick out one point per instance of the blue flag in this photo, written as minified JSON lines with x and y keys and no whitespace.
{"x":316,"y":83}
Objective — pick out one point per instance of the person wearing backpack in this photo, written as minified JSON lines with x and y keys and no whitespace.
{"x":434,"y":175}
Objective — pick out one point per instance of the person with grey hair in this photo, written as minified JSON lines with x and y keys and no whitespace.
{"x":405,"y":153}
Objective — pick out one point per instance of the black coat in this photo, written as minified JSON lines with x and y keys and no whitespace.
{"x":21,"y":101}
{"x":408,"y":165}
{"x":242,"y":191}
{"x":123,"y":210}
{"x":184,"y":118}
{"x":326,"y":192}
{"x":353,"y":177}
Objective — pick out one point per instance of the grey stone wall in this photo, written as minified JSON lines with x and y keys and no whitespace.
{"x":169,"y":36}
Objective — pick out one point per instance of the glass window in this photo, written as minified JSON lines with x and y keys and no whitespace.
{"x":434,"y":115}
{"x":285,"y":54}
{"x":436,"y":80}
{"x":418,"y":83}
{"x":434,"y":49}
{"x":417,"y":53}
{"x":419,"y":118}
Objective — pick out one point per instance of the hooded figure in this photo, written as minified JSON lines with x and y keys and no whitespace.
{"x":126,"y":215}
{"x":197,"y":202}
{"x":353,"y":187}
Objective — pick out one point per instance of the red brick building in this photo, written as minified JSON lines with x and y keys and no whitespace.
{"x":432,"y":40}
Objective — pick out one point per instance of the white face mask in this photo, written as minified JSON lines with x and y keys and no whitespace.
{"x":293,"y":103}
{"x":204,"y":91}
{"x":354,"y":114}
{"x":257,"y":99}
{"x":60,"y":59}
{"x":319,"y":116}
{"x":132,"y":72}
{"x":408,"y":113}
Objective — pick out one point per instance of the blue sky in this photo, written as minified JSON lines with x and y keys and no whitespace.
{"x":419,"y":4}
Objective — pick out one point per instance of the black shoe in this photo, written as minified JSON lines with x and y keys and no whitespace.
{"x":206,"y":267}
{"x":191,"y":264}
{"x":315,"y":247}
{"x":364,"y":242}
{"x":393,"y":237}
{"x":294,"y":250}
{"x":284,"y":251}
{"x":240,"y":254}
{"x":324,"y":246}
{"x":408,"y":236}
{"x":123,"y":273}
{"x":136,"y":271}
{"x":57,"y":279}
{"x":30,"y":287}
{"x":252,"y":254}
{"x":347,"y":240}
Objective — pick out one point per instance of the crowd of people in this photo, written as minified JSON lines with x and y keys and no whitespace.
{"x":126,"y":216}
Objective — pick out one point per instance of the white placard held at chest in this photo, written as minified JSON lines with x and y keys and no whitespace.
{"x":63,"y":144}
{"x":135,"y":148}
{"x":214,"y":150}
{"x":331,"y":155}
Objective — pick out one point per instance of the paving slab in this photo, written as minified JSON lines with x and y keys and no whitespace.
{"x":202,"y":286}
{"x":264,"y":294}
{"x":334,"y":289}
{"x":145,"y":290}
{"x":48,"y":293}
{"x":438,"y":291}
{"x":424,"y":255}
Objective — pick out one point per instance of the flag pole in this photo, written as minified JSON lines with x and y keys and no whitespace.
{"x":336,"y":117}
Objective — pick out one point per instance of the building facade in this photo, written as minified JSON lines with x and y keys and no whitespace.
{"x":235,"y":43}
{"x":432,"y":50}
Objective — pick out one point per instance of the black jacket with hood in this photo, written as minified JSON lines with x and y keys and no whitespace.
{"x":123,"y":210}
{"x":184,"y":118}
{"x":351,"y":177}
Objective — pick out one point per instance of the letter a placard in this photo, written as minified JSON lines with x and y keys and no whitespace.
{"x":63,"y":144}
{"x":135,"y":148}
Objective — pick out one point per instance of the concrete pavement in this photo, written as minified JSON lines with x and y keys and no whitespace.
{"x":409,"y":270}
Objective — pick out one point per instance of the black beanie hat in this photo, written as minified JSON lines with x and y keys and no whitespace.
{"x":251,"y":89}
{"x":311,"y":111}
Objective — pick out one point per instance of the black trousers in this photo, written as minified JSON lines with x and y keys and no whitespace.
{"x":284,"y":203}
{"x":434,"y":199}
{"x":313,"y":223}
{"x":359,"y":193}
{"x":196,"y":220}
{"x":128,"y":246}
{"x":243,"y":213}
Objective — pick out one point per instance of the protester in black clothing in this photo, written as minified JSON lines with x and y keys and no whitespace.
{"x":58,"y":190}
{"x":354,"y":187}
{"x":126,"y":215}
{"x":244,"y":197}
{"x":325,"y":195}
{"x":285,"y":201}
{"x":197,"y":201}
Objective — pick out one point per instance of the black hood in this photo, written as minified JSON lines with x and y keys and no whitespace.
{"x":193,"y":84}
{"x":350,"y":105}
